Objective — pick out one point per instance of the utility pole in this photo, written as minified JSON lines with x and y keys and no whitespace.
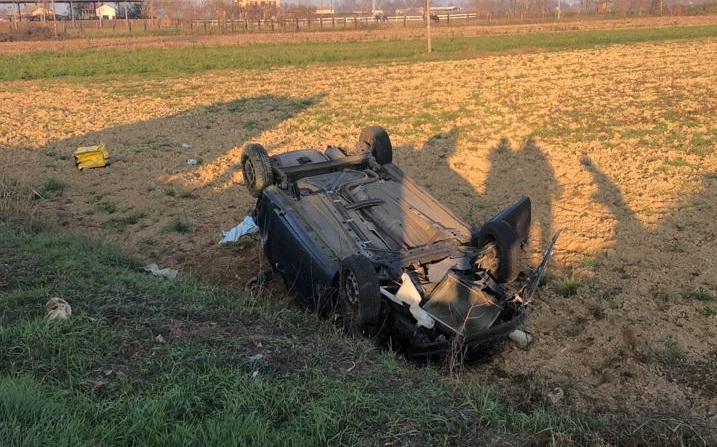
{"x":427,"y":14}
{"x":54,"y":18}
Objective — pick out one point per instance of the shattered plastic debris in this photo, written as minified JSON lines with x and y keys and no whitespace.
{"x":521,"y":338}
{"x":58,"y":309}
{"x":156,"y":271}
{"x":555,"y":396}
{"x":246,"y":227}
{"x":91,"y":156}
{"x":256,"y":357}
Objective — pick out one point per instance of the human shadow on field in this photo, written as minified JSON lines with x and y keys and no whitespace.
{"x":523,"y":172}
{"x":682,"y":233}
{"x":668,"y":269}
{"x":609,"y":194}
{"x":445,"y":169}
{"x":429,"y":167}
{"x":513,"y":173}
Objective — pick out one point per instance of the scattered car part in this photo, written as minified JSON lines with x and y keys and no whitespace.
{"x":58,"y":309}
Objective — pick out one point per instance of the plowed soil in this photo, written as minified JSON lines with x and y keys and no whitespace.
{"x":616,"y":146}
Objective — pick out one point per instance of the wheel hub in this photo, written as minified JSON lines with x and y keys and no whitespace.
{"x":352,"y":289}
{"x":249,"y":172}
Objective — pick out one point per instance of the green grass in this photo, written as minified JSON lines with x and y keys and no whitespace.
{"x":570,"y":285}
{"x":700,"y":294}
{"x":670,"y":353}
{"x":164,"y":62}
{"x":103,"y":377}
{"x":120,"y":223}
{"x":179,"y":226}
{"x":52,"y":187}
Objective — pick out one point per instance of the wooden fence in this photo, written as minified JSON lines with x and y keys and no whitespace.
{"x":229,"y":26}
{"x":141,"y":26}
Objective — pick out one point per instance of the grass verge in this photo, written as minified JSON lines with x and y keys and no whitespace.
{"x":190,"y":60}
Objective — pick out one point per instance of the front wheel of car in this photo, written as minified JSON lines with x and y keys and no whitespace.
{"x":500,"y":251}
{"x":374,"y":139}
{"x":359,"y":300}
{"x":256,"y":167}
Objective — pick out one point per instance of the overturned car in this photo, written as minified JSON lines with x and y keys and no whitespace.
{"x":359,"y":240}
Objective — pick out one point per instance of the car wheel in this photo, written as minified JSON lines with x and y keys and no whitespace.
{"x":359,"y":302}
{"x":376,"y":140}
{"x":256,"y":167}
{"x":500,"y":251}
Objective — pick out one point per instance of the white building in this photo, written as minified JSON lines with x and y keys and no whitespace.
{"x":106,"y":12}
{"x":259,"y":3}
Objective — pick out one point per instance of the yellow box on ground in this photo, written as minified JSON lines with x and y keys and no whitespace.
{"x":91,"y":156}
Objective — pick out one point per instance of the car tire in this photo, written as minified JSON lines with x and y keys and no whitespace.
{"x":256,"y":168}
{"x":500,"y":251}
{"x":375,"y":139}
{"x":359,"y":301}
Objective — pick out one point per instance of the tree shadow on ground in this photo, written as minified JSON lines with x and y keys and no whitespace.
{"x":150,"y":200}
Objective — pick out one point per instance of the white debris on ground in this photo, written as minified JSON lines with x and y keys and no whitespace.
{"x":554,"y":397}
{"x":156,"y":271}
{"x":246,"y":227}
{"x":255,"y":357}
{"x":58,"y":309}
{"x":521,"y":338}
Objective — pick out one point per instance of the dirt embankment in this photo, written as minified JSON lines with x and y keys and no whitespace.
{"x":387,"y":33}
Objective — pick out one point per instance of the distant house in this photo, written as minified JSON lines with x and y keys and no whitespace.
{"x":106,"y":12}
{"x":259,"y":3}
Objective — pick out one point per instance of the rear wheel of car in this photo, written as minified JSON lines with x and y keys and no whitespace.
{"x":375,"y":139}
{"x":256,"y":168}
{"x":500,"y":251}
{"x":359,"y":302}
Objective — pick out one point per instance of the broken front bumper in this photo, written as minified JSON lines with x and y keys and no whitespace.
{"x":417,"y":346}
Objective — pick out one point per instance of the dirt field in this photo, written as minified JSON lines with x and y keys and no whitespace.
{"x":386,"y":33}
{"x":617,"y":147}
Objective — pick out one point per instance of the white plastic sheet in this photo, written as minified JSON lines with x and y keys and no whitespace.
{"x":246,"y":227}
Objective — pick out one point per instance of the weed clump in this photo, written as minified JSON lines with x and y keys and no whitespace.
{"x":179,"y":226}
{"x":52,"y":187}
{"x":570,"y":285}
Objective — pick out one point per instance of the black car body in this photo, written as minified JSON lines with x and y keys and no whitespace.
{"x":357,"y":238}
